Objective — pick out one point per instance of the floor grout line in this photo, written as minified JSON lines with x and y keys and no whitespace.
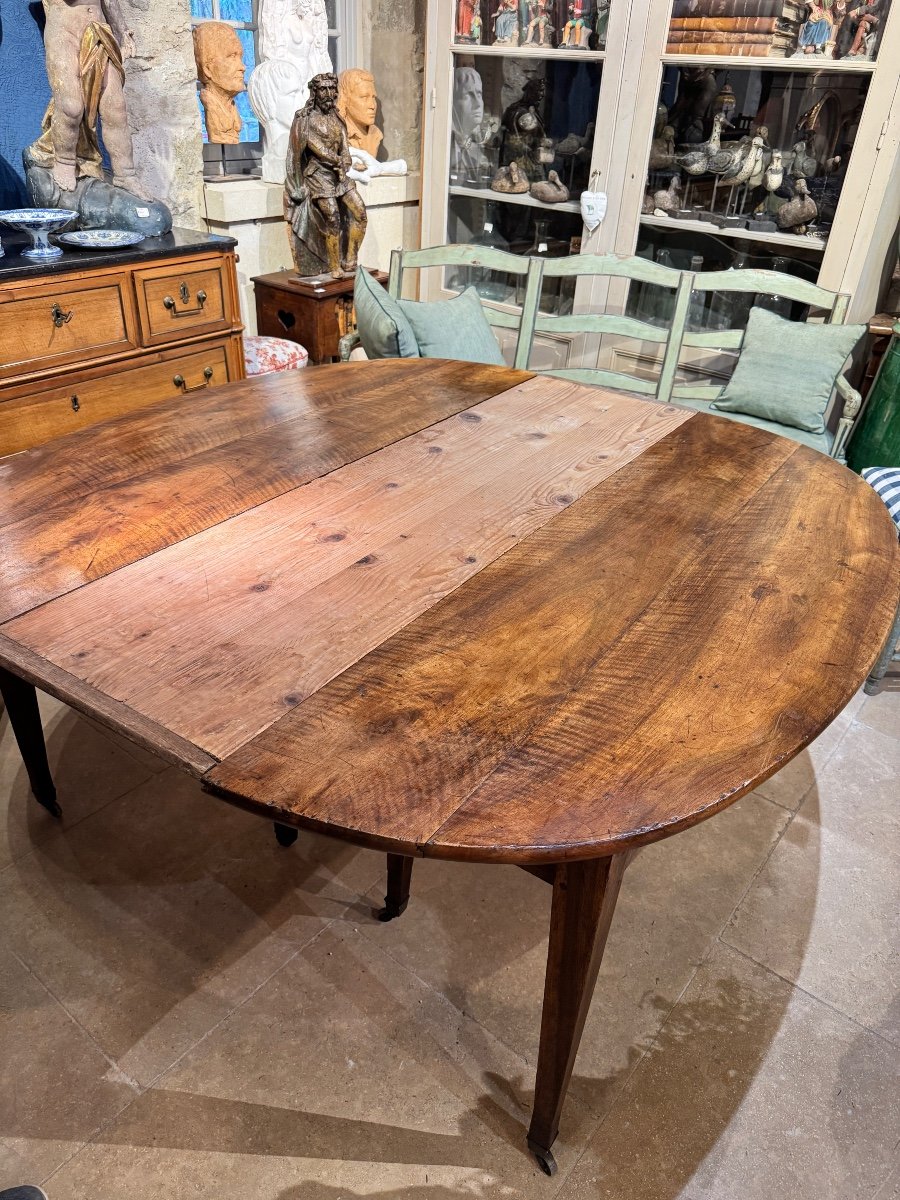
{"x":863,"y":1028}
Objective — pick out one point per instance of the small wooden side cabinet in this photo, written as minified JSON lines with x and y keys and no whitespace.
{"x":315,"y":313}
{"x":92,"y":335}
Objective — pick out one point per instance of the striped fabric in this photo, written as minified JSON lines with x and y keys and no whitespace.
{"x":886,"y":482}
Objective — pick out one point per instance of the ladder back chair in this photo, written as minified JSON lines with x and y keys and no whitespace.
{"x":833,"y":305}
{"x":638,"y":270}
{"x":486,"y":258}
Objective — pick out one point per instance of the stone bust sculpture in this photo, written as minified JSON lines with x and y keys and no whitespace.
{"x":357,"y":104}
{"x":220,"y":69}
{"x":322,"y":206}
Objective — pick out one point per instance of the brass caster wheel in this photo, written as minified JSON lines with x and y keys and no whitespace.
{"x":545,"y":1159}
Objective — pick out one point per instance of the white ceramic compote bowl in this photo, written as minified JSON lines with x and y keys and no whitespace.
{"x":38,"y":223}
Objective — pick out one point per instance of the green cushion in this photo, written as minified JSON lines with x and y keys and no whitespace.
{"x":454,"y":328}
{"x":383,"y":329}
{"x":787,"y":369}
{"x":817,"y":441}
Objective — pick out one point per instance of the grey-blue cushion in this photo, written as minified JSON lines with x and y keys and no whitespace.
{"x":455,"y":328}
{"x":383,"y":329}
{"x":787,"y":369}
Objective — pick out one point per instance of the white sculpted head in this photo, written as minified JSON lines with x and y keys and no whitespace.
{"x":276,"y":89}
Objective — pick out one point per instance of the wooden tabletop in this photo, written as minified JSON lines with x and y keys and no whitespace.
{"x":446,"y":609}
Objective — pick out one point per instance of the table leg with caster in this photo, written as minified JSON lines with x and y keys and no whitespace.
{"x":285,"y":835}
{"x":399,"y":870}
{"x":584,"y":898}
{"x":20,"y":699}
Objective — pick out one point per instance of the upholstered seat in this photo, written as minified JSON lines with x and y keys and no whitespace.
{"x":263,"y":355}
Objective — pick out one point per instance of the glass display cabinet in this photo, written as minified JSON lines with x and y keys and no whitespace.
{"x":726,"y":134}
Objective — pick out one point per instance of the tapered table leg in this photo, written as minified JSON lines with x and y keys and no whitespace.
{"x":584,"y":897}
{"x":399,"y":871}
{"x":21,"y":703}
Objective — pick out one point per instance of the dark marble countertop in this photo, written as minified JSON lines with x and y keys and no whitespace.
{"x":179,"y":241}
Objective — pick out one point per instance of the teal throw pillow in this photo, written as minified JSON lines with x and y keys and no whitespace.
{"x":383,"y":329}
{"x":454,"y":328}
{"x":787,"y":369}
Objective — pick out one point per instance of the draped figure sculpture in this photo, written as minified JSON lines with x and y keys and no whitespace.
{"x":86,"y":44}
{"x":325,"y":212}
{"x":293,"y":47}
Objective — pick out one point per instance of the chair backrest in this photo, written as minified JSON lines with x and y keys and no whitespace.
{"x":638,"y":270}
{"x":476,"y":257}
{"x":834,"y":305}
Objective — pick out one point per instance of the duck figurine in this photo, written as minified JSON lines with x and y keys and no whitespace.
{"x":666,"y":202}
{"x":774,"y":176}
{"x":510,"y":180}
{"x":750,"y":165}
{"x":795,"y":215}
{"x":802,"y":163}
{"x":695,"y":159}
{"x":662,"y":150}
{"x":551,"y":190}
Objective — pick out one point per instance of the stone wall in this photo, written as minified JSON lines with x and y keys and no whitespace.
{"x":162,"y":105}
{"x":393,"y":49}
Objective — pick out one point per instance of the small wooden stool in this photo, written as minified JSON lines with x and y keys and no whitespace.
{"x":317,"y":313}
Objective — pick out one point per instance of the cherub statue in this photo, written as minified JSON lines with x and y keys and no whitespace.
{"x":322,"y":206}
{"x":86,"y":45}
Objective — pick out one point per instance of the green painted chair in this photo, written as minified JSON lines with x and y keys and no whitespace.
{"x":474,"y":257}
{"x":638,"y":270}
{"x":699,"y":395}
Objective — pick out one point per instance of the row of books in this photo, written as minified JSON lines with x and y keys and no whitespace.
{"x":750,"y":28}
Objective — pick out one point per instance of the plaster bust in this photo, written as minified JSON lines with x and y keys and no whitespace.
{"x":357,"y":104}
{"x":220,"y":69}
{"x":293,"y":46}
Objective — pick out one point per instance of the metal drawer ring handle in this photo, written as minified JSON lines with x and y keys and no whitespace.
{"x":185,"y":295}
{"x":181,"y":382}
{"x":59,"y":317}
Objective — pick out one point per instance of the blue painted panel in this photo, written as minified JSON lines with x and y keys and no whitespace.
{"x":250,"y":131}
{"x":236,"y":10}
{"x":201,"y":8}
{"x":24,"y":92}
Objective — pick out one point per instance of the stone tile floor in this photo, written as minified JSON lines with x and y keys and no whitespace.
{"x":188,"y":1010}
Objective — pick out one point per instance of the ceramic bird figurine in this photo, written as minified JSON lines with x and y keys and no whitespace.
{"x":744,"y":170}
{"x":510,"y":180}
{"x":795,"y":215}
{"x":802,"y":163}
{"x":550,"y":191}
{"x":662,"y":150}
{"x":666,"y":202}
{"x":695,"y":159}
{"x":774,"y":176}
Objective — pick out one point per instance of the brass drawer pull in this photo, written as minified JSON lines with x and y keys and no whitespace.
{"x":180,"y":381}
{"x":185,"y":295}
{"x":59,"y":317}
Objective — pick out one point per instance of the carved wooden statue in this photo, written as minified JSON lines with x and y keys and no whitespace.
{"x":220,"y":69}
{"x":322,"y":206}
{"x":85,"y":46}
{"x":357,"y":105}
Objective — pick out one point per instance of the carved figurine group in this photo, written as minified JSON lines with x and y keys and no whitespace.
{"x":579,"y":25}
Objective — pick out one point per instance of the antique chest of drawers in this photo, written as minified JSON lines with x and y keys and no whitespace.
{"x":93,"y":335}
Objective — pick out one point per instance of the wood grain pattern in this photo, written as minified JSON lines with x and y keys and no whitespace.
{"x":116,"y":493}
{"x":217,"y":636}
{"x":658,"y":649}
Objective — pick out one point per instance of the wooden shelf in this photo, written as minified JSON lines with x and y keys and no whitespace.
{"x":530,"y":52}
{"x":795,"y":240}
{"x":732,"y":62}
{"x":572,"y":206}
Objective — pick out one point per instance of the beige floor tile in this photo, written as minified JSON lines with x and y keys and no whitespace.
{"x":890,"y":1189}
{"x":88,"y":770}
{"x":344,"y":1075}
{"x":56,"y":1088}
{"x":478,"y":936}
{"x":793,"y":781}
{"x":753,"y":1091}
{"x":882,"y":712}
{"x":825,"y":910}
{"x":151,"y":920}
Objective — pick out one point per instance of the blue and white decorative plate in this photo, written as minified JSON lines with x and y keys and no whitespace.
{"x":101,"y":239}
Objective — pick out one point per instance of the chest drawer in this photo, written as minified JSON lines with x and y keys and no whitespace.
{"x":178,"y":301}
{"x":40,"y":416}
{"x":51,"y":324}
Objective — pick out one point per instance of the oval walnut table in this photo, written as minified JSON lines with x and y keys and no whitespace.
{"x":448,"y":610}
